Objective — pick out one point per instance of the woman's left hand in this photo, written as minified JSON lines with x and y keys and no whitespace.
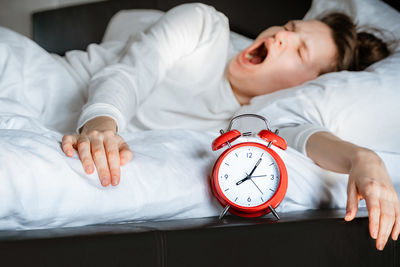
{"x":369,"y":180}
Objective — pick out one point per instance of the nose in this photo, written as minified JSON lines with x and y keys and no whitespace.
{"x":285,"y":37}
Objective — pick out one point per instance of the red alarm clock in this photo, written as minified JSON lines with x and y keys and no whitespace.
{"x":249,"y":179}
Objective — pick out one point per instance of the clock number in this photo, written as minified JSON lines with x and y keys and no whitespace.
{"x":249,"y":199}
{"x":249,"y":155}
{"x":272,"y":177}
{"x":226,"y":176}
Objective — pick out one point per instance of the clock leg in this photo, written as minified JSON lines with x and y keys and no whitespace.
{"x":274,"y":212}
{"x":224,"y":212}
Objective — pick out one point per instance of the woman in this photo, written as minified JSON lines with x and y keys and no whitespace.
{"x":183,"y":73}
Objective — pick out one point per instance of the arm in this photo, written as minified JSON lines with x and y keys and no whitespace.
{"x":116,"y":92}
{"x":368,"y":179}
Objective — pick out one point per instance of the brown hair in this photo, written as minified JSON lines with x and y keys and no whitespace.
{"x":355,"y":50}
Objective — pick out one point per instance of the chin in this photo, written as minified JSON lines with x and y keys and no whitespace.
{"x":235,"y":71}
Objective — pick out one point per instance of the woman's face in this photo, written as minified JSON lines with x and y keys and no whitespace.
{"x":282,"y":57}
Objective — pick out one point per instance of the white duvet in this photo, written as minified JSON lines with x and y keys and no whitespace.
{"x":167,"y":179}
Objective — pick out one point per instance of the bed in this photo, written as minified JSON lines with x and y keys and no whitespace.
{"x":315,"y":237}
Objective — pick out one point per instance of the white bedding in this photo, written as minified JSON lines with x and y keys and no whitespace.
{"x":167,"y":179}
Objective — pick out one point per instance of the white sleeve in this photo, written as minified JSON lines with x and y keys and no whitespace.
{"x":118,"y":90}
{"x":297,"y":136}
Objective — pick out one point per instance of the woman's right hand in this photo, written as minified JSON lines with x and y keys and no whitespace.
{"x":99,"y":144}
{"x":368,"y":179}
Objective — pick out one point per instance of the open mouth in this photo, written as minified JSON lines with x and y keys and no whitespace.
{"x":257,"y":55}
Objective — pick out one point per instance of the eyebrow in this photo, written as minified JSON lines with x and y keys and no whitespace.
{"x":293,"y":25}
{"x":304,"y":44}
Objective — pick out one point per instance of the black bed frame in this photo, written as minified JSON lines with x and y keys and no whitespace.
{"x":75,"y":27}
{"x":310,"y":238}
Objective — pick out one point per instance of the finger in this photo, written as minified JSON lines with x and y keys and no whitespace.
{"x":373,"y":207}
{"x":113,"y":159}
{"x":125,"y":153}
{"x":385,"y":224}
{"x":68,"y":143}
{"x":396,"y":227}
{"x":352,"y":202}
{"x":100,"y":160}
{"x":83,"y":147}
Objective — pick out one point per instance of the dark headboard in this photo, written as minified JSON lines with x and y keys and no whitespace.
{"x":75,"y":27}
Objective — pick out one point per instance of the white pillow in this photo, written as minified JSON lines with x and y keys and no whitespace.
{"x":360,"y":107}
{"x":129,"y":22}
{"x":373,"y":13}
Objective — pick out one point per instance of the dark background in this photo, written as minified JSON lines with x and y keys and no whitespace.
{"x":75,"y":27}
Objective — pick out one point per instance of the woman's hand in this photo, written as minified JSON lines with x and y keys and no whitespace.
{"x":99,"y":144}
{"x":369,"y":180}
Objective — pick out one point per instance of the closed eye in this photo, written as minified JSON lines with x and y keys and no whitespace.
{"x":299,"y":52}
{"x":286,"y":28}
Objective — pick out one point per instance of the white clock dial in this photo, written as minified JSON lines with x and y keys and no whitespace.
{"x":238,"y":186}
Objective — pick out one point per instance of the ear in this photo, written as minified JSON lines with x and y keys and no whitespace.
{"x":276,"y":140}
{"x":222,"y":140}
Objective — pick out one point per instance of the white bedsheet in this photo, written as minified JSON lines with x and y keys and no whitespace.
{"x":167,"y":179}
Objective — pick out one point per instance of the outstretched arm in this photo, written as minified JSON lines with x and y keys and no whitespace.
{"x":368,"y":179}
{"x":117,"y":91}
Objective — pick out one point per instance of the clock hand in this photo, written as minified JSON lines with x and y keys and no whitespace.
{"x":258,"y":176}
{"x":249,"y":175}
{"x":255,"y":167}
{"x":241,"y":181}
{"x":255,"y":182}
{"x":257,"y":186}
{"x":249,"y":178}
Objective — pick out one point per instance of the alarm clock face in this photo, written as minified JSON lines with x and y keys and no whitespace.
{"x":236,"y":183}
